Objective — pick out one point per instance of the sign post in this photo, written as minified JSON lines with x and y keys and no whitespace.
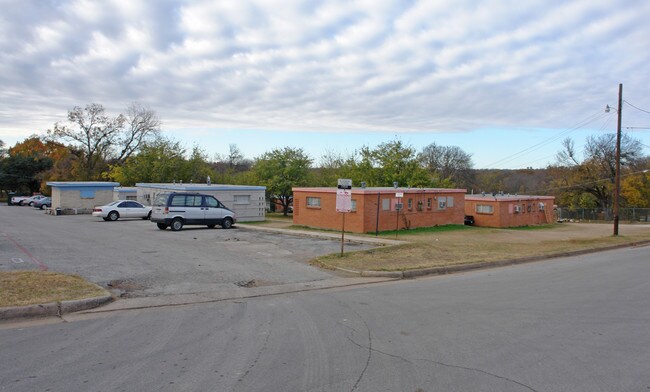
{"x":398,"y":208}
{"x":343,"y":203}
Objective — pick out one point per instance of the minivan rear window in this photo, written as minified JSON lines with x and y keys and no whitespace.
{"x":161,"y":200}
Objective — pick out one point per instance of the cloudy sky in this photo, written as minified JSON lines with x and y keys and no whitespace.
{"x":504,"y":80}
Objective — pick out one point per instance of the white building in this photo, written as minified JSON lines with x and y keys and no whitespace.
{"x":248,"y":202}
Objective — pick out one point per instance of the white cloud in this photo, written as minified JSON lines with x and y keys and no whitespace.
{"x":328,"y":65}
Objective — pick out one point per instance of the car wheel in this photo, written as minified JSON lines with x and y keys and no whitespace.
{"x":211,"y":226}
{"x":113,"y":215}
{"x":226,"y":223}
{"x":41,"y":206}
{"x":176,"y":224}
{"x":161,"y":226}
{"x":148,"y":216}
{"x":20,"y":203}
{"x":106,"y":219}
{"x":31,"y":203}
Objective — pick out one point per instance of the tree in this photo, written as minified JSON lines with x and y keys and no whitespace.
{"x":3,"y":152}
{"x":448,"y":163}
{"x":231,"y":166}
{"x":142,"y":125}
{"x":280,"y":170}
{"x":101,"y":138}
{"x":161,"y":160}
{"x":392,"y":162}
{"x":596,"y":173}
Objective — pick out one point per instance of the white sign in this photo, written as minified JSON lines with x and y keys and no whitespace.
{"x":343,"y":200}
{"x":399,"y":194}
{"x":345,"y":183}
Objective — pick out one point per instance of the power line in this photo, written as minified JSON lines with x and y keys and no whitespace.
{"x":636,"y":107}
{"x":579,"y":125}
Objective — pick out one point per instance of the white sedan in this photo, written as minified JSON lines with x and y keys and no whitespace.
{"x":122,"y":209}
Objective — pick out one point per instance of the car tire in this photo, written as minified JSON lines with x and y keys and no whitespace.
{"x":106,"y":219}
{"x":113,"y":215}
{"x":41,"y":206}
{"x":20,"y":203}
{"x":161,"y":226}
{"x":148,"y":216}
{"x":31,"y":203}
{"x":226,"y":223}
{"x":211,"y":226}
{"x":177,"y":224}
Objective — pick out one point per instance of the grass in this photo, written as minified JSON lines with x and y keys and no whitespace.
{"x":35,"y":287}
{"x":425,"y":230}
{"x":457,"y":246}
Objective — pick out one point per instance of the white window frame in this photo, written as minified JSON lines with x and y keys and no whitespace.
{"x":242,"y":199}
{"x":313,"y":202}
{"x":484,"y":209}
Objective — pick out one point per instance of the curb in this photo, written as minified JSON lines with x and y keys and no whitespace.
{"x":410,"y":274}
{"x":53,"y":308}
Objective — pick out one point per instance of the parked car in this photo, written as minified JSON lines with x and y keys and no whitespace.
{"x":122,"y":209}
{"x":175,"y":210}
{"x":469,"y":220}
{"x":42,"y":203}
{"x":25,"y":200}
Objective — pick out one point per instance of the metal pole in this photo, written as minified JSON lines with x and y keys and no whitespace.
{"x":617,"y":186}
{"x":343,"y":234}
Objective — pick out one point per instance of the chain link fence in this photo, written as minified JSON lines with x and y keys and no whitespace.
{"x":603,"y":215}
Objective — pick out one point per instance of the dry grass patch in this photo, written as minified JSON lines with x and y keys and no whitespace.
{"x":35,"y":287}
{"x":450,"y":247}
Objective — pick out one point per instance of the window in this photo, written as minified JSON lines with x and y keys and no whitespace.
{"x":410,"y":204}
{"x":542,"y":206}
{"x":385,"y":204}
{"x":242,"y":199}
{"x":442,"y":203}
{"x":484,"y":209}
{"x":211,"y":202}
{"x":353,"y":206}
{"x":87,"y":194}
{"x":313,"y":202}
{"x":429,"y":203}
{"x":193,"y":201}
{"x":450,"y":201}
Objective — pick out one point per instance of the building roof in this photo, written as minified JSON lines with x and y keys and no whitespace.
{"x":506,"y":197}
{"x":382,"y":190}
{"x":82,"y":184}
{"x":178,"y":187}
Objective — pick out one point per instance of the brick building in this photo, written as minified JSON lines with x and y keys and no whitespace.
{"x":374,"y":209}
{"x":509,"y":210}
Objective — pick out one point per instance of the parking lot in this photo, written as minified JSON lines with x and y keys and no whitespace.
{"x":134,"y":258}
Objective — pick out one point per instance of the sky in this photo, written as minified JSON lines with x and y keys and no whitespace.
{"x":505,"y":80}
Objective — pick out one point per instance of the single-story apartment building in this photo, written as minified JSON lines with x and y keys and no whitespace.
{"x":80,"y":197}
{"x":125,"y":193}
{"x":376,"y":209}
{"x":248,"y":202}
{"x":501,"y":210}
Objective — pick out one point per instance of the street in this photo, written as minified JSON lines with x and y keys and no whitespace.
{"x":572,"y":324}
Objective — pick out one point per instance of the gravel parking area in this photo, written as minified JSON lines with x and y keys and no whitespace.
{"x":134,"y":258}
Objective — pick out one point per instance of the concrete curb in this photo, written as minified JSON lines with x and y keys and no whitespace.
{"x":409,"y":274}
{"x":53,"y":308}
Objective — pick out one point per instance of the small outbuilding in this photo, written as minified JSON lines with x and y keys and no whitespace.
{"x":379,"y":209}
{"x":499,"y":210}
{"x":80,"y":197}
{"x":248,"y":202}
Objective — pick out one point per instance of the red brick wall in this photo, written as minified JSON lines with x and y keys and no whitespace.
{"x":364,"y":220}
{"x":504,"y":214}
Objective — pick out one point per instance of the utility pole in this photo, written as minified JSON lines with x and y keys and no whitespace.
{"x":617,"y":185}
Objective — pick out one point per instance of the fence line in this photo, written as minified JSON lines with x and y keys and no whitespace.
{"x":598,"y":214}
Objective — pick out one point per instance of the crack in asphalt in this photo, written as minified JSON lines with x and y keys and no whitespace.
{"x":259,"y":354}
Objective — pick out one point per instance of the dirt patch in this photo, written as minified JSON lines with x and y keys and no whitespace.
{"x":254,"y":283}
{"x":124,"y":287}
